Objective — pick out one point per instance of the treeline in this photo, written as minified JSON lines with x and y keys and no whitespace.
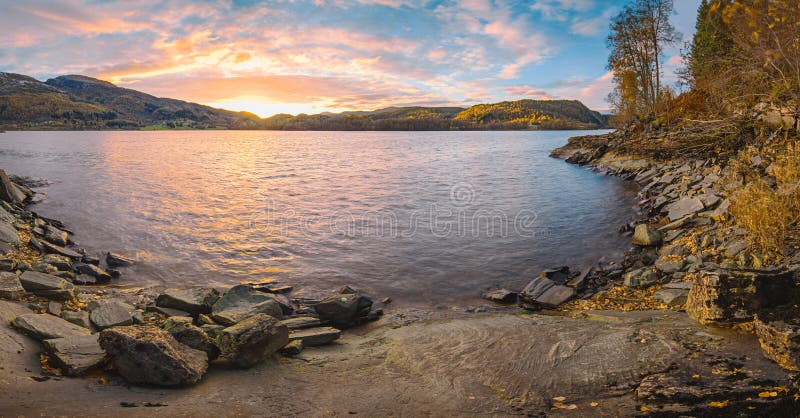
{"x":743,"y":61}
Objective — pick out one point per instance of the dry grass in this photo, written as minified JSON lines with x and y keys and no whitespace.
{"x":768,"y":212}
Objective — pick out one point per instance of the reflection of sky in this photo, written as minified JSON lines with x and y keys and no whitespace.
{"x":308,"y":56}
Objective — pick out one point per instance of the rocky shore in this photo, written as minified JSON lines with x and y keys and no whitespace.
{"x":689,"y":322}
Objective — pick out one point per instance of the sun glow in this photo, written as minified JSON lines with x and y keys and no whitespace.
{"x":263,"y":108}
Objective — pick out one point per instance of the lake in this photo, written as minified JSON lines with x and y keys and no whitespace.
{"x":422,"y":217}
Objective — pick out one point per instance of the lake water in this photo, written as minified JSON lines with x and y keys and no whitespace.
{"x":425,"y":217}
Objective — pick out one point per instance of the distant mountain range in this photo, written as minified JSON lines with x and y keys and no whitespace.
{"x":80,"y":102}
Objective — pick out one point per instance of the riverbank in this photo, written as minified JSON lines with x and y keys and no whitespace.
{"x":581,"y":361}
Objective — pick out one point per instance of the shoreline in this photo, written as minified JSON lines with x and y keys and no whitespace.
{"x":360,"y":361}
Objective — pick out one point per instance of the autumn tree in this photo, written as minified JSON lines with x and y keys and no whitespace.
{"x":766,"y":58}
{"x":639,"y":34}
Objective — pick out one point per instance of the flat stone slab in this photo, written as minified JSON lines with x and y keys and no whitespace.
{"x":684,"y":207}
{"x":500,"y":296}
{"x":57,"y":249}
{"x":8,"y":233}
{"x":11,"y":310}
{"x":45,"y":327}
{"x":671,"y":297}
{"x":542,"y":292}
{"x":10,"y":286}
{"x":111,"y":313}
{"x":94,"y":271}
{"x":194,"y":301}
{"x":46,"y":285}
{"x":80,"y":318}
{"x":301,"y":322}
{"x":75,"y":355}
{"x":312,"y":337}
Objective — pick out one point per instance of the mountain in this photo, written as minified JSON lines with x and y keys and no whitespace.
{"x":80,"y":102}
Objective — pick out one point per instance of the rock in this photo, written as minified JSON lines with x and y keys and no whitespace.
{"x":80,"y":318}
{"x":242,"y":302}
{"x":5,"y":216}
{"x":194,"y":301}
{"x":212,"y":330}
{"x":646,"y":236}
{"x":111,"y":313}
{"x":94,"y":271}
{"x":558,"y":275}
{"x":117,"y":260}
{"x":500,"y":296}
{"x":191,"y":336}
{"x":10,"y":310}
{"x":670,"y":265}
{"x":8,"y":233}
{"x":9,"y":191}
{"x":10,"y":286}
{"x":643,"y":277}
{"x":84,"y":279}
{"x":312,"y":337}
{"x":721,"y":211}
{"x":343,"y":310}
{"x":679,"y":285}
{"x":75,"y":355}
{"x":45,"y":327}
{"x":59,"y":261}
{"x":54,"y":308}
{"x":733,"y":249}
{"x":55,"y":236}
{"x":780,"y":342}
{"x":300,"y":322}
{"x":725,"y":297}
{"x":542,"y":292}
{"x":169,"y":312}
{"x":684,"y":207}
{"x":90,"y":259}
{"x":152,"y":356}
{"x":671,"y":297}
{"x":252,"y":340}
{"x":46,"y":285}
{"x":293,"y":348}
{"x":66,"y":252}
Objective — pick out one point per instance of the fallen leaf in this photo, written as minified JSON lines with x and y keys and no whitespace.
{"x":594,"y":404}
{"x":560,"y":398}
{"x":572,"y":406}
{"x":716,"y":404}
{"x":644,"y":409}
{"x":695,"y":376}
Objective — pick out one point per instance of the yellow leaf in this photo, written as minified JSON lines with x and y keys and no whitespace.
{"x":595,"y":404}
{"x":560,"y":398}
{"x":695,"y":376}
{"x":644,"y":409}
{"x":572,"y":406}
{"x":715,"y":404}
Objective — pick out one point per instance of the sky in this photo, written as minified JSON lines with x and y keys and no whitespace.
{"x":310,"y":56}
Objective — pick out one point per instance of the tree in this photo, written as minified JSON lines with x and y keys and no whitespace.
{"x":639,"y":34}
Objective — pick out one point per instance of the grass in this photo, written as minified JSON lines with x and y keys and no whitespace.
{"x":768,"y":205}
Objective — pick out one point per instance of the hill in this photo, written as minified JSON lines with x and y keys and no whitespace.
{"x":80,"y":102}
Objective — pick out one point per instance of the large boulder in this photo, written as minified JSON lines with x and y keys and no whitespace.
{"x":646,"y":236}
{"x":542,"y":292}
{"x":252,"y":340}
{"x":152,"y":356}
{"x":111,"y":313}
{"x":344,"y":310}
{"x":191,"y":335}
{"x":242,"y":302}
{"x":46,"y":285}
{"x":10,"y":287}
{"x":45,"y":327}
{"x":730,"y":296}
{"x":9,"y":191}
{"x":75,"y":355}
{"x":195,"y":301}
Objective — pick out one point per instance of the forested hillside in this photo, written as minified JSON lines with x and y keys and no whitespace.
{"x":80,"y":102}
